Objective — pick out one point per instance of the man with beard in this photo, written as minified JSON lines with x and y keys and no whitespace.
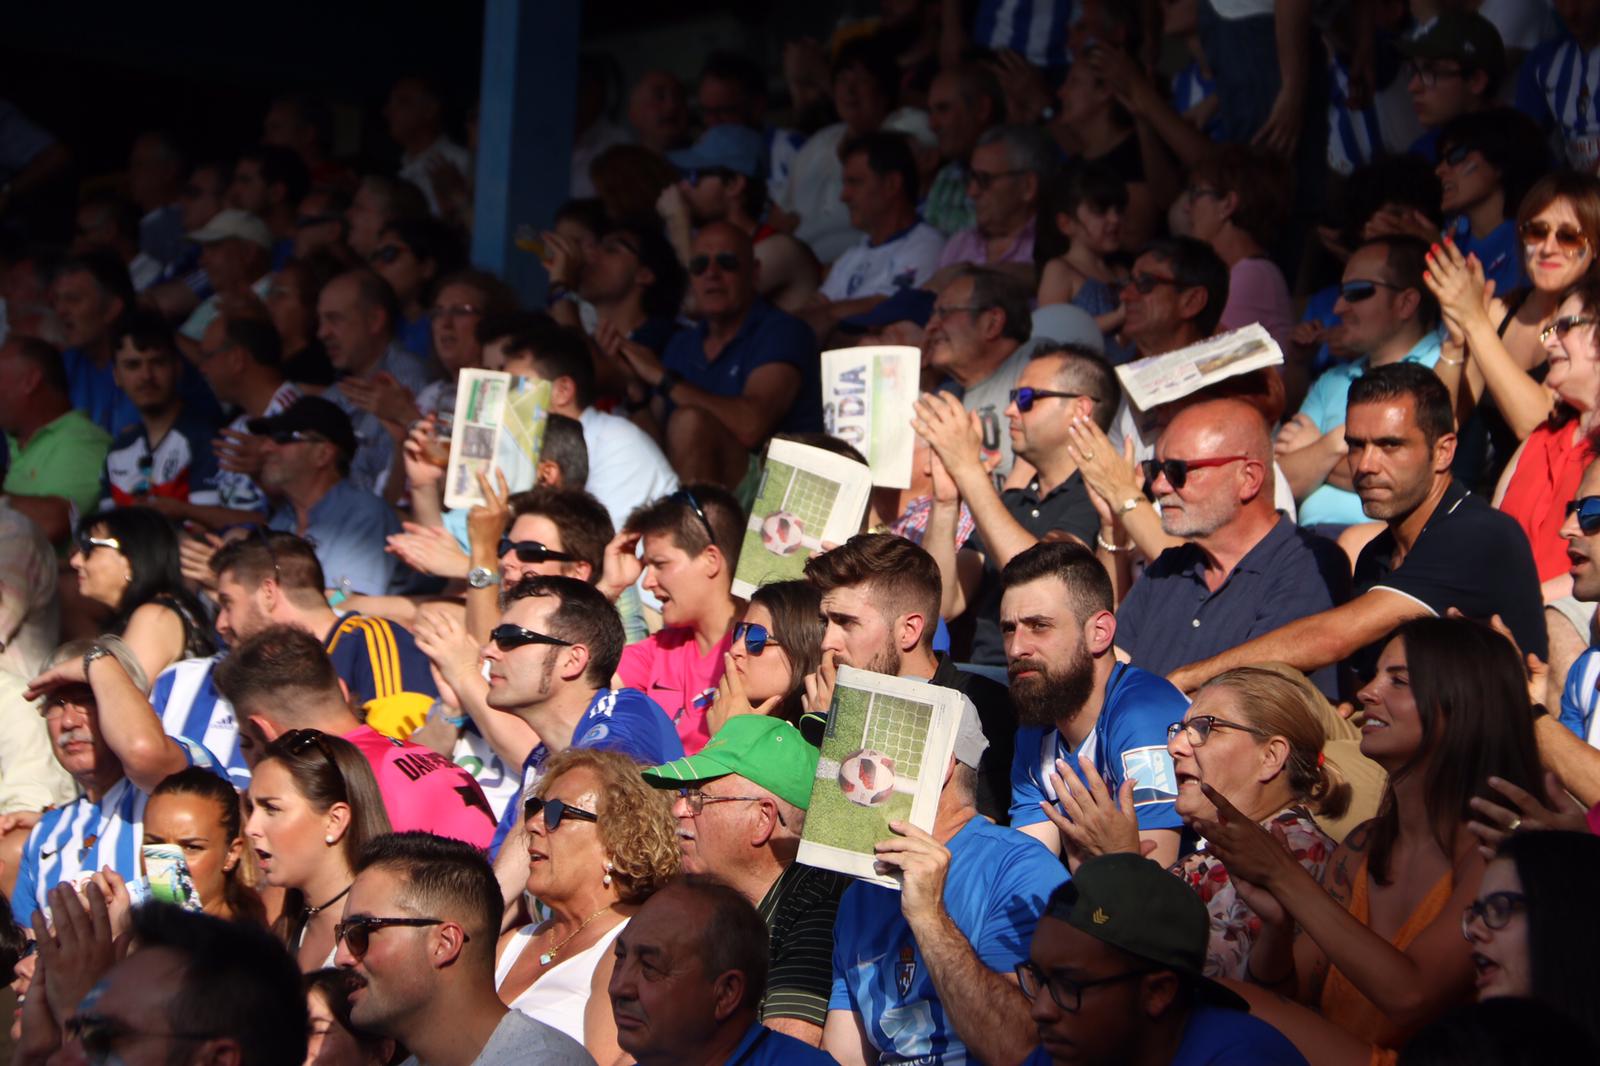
{"x":1077,"y":704}
{"x":1244,"y":568}
{"x":880,"y":600}
{"x":1442,"y":546}
{"x":419,"y":931}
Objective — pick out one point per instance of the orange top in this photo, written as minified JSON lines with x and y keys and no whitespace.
{"x":1342,"y":1002}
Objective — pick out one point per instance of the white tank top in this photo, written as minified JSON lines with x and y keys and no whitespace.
{"x":560,"y":994}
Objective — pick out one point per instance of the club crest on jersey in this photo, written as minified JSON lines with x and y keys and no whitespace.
{"x":906,"y":972}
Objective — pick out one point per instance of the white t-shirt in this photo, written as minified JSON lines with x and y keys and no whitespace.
{"x":904,"y":261}
{"x":626,"y":467}
{"x":418,"y":169}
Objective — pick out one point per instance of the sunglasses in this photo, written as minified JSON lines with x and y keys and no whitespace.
{"x":531,"y":551}
{"x":1362,"y":289}
{"x":554,"y":811}
{"x":685,"y":496}
{"x":1588,"y":511}
{"x":387,"y":254}
{"x":1026,"y":397}
{"x":356,"y":933}
{"x":756,"y":637}
{"x":1145,"y":284}
{"x":98,"y":1035}
{"x":1457,"y":155}
{"x":1176,"y":471}
{"x":507,"y":637}
{"x":1569,"y":239}
{"x":727,"y":262}
{"x":1565,"y":325}
{"x":87,"y":545}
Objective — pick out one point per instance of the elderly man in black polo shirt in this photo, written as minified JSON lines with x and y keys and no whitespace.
{"x":1244,"y":568}
{"x":1443,"y":547}
{"x":1059,"y":384}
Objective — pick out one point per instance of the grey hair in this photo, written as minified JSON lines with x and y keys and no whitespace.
{"x":1028,"y":147}
{"x":74,"y":649}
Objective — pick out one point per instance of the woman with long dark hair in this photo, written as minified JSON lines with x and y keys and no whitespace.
{"x":775,"y":645}
{"x":199,"y":812}
{"x":127,"y":560}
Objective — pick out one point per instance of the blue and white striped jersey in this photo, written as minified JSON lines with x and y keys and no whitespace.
{"x":1580,"y":696}
{"x":1557,"y":87}
{"x":1354,"y":137}
{"x":1035,"y":29}
{"x":189,"y":705}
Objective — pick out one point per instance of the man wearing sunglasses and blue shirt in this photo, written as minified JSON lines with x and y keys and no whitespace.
{"x":1581,"y":695}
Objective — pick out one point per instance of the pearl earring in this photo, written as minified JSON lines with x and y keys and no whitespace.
{"x":328,"y":839}
{"x":606,"y":880}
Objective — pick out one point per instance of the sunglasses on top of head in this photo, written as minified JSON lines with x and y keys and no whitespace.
{"x":531,"y":551}
{"x":1587,"y":508}
{"x":727,"y":262}
{"x":508,"y":637}
{"x":757,"y":638}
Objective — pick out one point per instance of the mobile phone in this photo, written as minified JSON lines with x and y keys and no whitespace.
{"x":167,"y":873}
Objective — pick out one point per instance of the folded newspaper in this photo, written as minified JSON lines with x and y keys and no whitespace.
{"x":868,"y":394}
{"x":1163,"y":378}
{"x":807,"y":496}
{"x":499,"y":425}
{"x":884,"y":752}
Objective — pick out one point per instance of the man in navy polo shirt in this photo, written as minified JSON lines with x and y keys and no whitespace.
{"x":1244,"y":569}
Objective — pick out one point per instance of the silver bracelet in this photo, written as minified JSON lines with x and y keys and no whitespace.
{"x":1112,"y":548}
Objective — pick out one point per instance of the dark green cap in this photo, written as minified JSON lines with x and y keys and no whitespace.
{"x":1462,"y":35}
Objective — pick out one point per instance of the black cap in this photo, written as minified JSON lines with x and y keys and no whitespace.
{"x":1463,"y":35}
{"x":310,"y":414}
{"x":1132,"y":904}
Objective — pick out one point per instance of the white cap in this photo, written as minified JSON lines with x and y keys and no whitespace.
{"x":231,"y":222}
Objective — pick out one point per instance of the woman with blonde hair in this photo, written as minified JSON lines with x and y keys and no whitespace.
{"x":600,"y":842}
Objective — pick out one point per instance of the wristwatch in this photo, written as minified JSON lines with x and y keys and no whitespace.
{"x":1129,"y":504}
{"x":97,"y":651}
{"x":481,"y":577}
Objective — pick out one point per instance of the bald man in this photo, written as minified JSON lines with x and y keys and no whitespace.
{"x":1244,"y":568}
{"x":747,"y":371}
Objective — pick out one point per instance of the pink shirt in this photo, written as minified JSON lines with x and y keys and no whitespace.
{"x":970,"y":246}
{"x":668,"y":667}
{"x":425,"y":790}
{"x":1258,"y":293}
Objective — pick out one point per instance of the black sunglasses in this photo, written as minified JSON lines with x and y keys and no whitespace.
{"x":531,"y":551}
{"x":687,"y":497}
{"x":756,"y":637}
{"x":1025,"y":397}
{"x":98,"y":1035}
{"x":1360,"y":289}
{"x":727,"y":262}
{"x":1587,"y":508}
{"x":1146,"y":284}
{"x":507,"y":636}
{"x":554,"y":811}
{"x":357,"y":932}
{"x":1176,"y":471}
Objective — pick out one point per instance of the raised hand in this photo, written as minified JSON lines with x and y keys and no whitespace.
{"x":1522,"y":811}
{"x":429,"y":550}
{"x":1092,"y":821}
{"x":621,"y":566}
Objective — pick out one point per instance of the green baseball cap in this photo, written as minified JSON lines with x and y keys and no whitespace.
{"x":1461,"y":35}
{"x":767,"y":751}
{"x":1133,"y":904}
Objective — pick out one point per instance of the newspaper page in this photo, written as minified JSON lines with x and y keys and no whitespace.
{"x":499,"y":425}
{"x":884,"y":753}
{"x":1163,"y":378}
{"x":807,"y":496}
{"x":868,"y":394}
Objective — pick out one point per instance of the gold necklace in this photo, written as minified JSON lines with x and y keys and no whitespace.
{"x":547,"y":957}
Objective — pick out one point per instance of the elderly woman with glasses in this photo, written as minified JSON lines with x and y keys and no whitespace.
{"x":600,"y":842}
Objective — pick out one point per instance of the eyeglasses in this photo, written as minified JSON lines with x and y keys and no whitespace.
{"x":1588,"y":511}
{"x":356,"y":933}
{"x":685,"y":496}
{"x":756,"y":637}
{"x":87,"y":545}
{"x":1025,"y":397}
{"x":387,"y":254}
{"x":1494,"y":911}
{"x":1564,"y":325}
{"x":697,"y":800}
{"x":1569,"y":239}
{"x":1145,"y":284}
{"x":727,"y":262}
{"x":454,"y":311}
{"x":1200,"y":726}
{"x":1176,"y":471}
{"x":296,"y":436}
{"x":507,"y":637}
{"x":1068,"y":994}
{"x":1429,"y":74}
{"x":531,"y":551}
{"x":985,"y":178}
{"x":1358,"y":290}
{"x":554,"y":811}
{"x":99,"y":1035}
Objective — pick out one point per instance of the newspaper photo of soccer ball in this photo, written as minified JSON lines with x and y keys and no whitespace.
{"x":781,"y":533}
{"x":867,"y":777}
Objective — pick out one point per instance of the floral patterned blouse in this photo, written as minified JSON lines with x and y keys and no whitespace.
{"x":1233,"y":924}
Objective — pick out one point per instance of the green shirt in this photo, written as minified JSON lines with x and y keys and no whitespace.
{"x":64,"y":458}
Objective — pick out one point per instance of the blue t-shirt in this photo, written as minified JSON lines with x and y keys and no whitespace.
{"x":94,"y":392}
{"x":1499,"y":250}
{"x":1217,"y":1036}
{"x":617,"y":719}
{"x":1129,"y":740}
{"x":348,"y":529}
{"x":768,"y":1047}
{"x":378,"y":659}
{"x":994,"y":892}
{"x":767,"y":335}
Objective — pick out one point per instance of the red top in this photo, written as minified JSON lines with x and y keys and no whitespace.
{"x":1546,"y":477}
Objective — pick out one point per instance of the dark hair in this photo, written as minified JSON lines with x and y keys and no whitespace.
{"x":738,"y":68}
{"x":1405,"y":258}
{"x":828,"y":443}
{"x":510,"y":323}
{"x":887,"y":153}
{"x":733,"y":935}
{"x":238,"y":983}
{"x":1502,"y":1031}
{"x":1196,"y":265}
{"x":993,"y":289}
{"x":1084,"y":182}
{"x":673,"y":514}
{"x":497,"y":298}
{"x":1405,"y":180}
{"x":13,"y":939}
{"x":564,"y":446}
{"x":1408,"y":380}
{"x":629,"y":178}
{"x":1088,"y":586}
{"x":1085,"y":370}
{"x":335,"y":986}
{"x":664,"y":297}
{"x":257,"y":338}
{"x":871,"y":55}
{"x":583,"y":522}
{"x":431,"y":240}
{"x":289,"y":560}
{"x":558,"y":352}
{"x":109,"y":272}
{"x":272,"y":664}
{"x":442,"y":878}
{"x":146,"y":330}
{"x":1471,"y":693}
{"x":588,"y":212}
{"x":1508,"y":140}
{"x":150,"y":544}
{"x":281,"y":166}
{"x":327,"y":770}
{"x":122,"y":213}
{"x":1259,"y":179}
{"x":582,"y":616}
{"x":399,"y":197}
{"x":43,"y":355}
{"x":902,"y":577}
{"x":313,"y":111}
{"x":242,"y":900}
{"x":796,"y":609}
{"x":1562,"y":936}
{"x":373,"y":291}
{"x":978,"y":82}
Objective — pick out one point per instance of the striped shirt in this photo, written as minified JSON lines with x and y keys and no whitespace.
{"x":1354,"y":137}
{"x":1581,"y":696}
{"x":189,"y":705}
{"x":1036,"y":29}
{"x":239,"y":491}
{"x":74,"y":841}
{"x":799,"y":910}
{"x":386,"y":671}
{"x":1557,"y":87}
